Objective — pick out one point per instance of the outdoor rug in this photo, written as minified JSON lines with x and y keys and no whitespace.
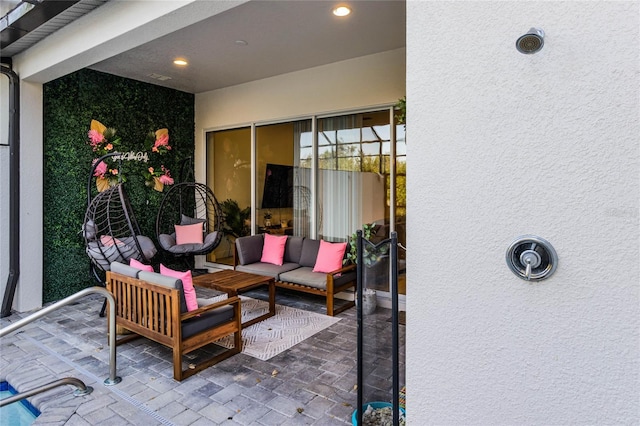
{"x":288,"y":327}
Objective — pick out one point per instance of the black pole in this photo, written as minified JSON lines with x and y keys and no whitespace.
{"x":14,"y":190}
{"x":360,"y":357}
{"x":395,"y":340}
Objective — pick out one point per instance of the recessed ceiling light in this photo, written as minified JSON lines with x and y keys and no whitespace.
{"x":180,"y":62}
{"x":241,"y":42}
{"x":341,"y":11}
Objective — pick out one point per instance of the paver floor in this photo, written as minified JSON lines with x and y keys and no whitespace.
{"x":312,"y":383}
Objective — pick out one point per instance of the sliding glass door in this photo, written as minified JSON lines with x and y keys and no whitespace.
{"x":322,"y":177}
{"x":229,"y":176}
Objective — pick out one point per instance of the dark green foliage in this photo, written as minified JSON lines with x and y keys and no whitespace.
{"x":134,"y":109}
{"x":235,"y":218}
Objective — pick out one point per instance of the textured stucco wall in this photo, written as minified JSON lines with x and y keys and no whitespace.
{"x":502,"y":144}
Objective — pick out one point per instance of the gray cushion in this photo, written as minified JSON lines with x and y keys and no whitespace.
{"x":163,"y":280}
{"x":123,"y":269}
{"x":268,"y":269}
{"x":168,"y":242}
{"x":306,"y":276}
{"x":309,"y":252}
{"x":148,"y":248}
{"x":292,"y":249}
{"x":249,"y":249}
{"x":102,"y":256}
{"x":207,"y":320}
{"x":186,"y":220}
{"x":89,"y":230}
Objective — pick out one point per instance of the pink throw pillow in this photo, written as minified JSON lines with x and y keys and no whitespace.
{"x":273,"y":249}
{"x":108,"y":241}
{"x":187,"y":285}
{"x":189,"y":234}
{"x":329,"y":256}
{"x":139,"y":265}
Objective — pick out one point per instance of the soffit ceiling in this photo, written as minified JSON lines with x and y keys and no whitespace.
{"x":281,"y":37}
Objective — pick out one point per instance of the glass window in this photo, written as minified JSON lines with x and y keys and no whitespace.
{"x":229,"y":176}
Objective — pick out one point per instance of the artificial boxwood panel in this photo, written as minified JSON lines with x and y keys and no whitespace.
{"x":134,"y":109}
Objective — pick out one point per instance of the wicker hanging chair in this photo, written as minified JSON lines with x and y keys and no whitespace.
{"x":185,"y":207}
{"x":112,"y":234}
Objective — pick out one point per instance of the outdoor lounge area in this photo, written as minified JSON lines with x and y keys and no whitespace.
{"x":312,"y":383}
{"x":497,"y":139}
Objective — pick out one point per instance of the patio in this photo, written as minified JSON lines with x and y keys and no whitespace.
{"x":313,"y":383}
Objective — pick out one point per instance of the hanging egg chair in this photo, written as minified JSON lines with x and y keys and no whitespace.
{"x":112,"y":234}
{"x":189,"y":220}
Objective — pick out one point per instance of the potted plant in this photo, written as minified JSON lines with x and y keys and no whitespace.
{"x":267,"y":218}
{"x":236,"y":220}
{"x":371,"y":258}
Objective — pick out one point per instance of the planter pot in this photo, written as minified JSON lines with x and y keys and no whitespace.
{"x":369,"y":301}
{"x":375,"y":406}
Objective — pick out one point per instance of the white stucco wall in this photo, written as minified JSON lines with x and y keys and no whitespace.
{"x":502,"y":144}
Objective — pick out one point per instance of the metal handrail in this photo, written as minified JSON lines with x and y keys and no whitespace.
{"x":81,"y":390}
{"x":113,"y":378}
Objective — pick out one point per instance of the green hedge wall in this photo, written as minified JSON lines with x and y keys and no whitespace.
{"x":134,"y":109}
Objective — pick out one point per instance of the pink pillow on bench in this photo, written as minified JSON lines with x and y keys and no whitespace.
{"x":139,"y":265}
{"x":329,"y":256}
{"x":273,"y":249}
{"x":189,"y":234}
{"x":187,"y":285}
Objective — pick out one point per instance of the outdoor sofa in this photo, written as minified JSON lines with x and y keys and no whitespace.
{"x":296,"y":271}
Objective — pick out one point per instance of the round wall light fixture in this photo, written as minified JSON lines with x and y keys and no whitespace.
{"x":531,"y":42}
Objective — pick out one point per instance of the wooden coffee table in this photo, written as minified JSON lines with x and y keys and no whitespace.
{"x":234,"y":282}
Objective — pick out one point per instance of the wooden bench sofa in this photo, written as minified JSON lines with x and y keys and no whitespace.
{"x":153,"y":305}
{"x":296,"y":272}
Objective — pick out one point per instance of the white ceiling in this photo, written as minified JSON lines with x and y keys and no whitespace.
{"x":282,"y":36}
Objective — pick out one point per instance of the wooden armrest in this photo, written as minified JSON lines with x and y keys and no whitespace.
{"x":230,"y":301}
{"x":347,"y":268}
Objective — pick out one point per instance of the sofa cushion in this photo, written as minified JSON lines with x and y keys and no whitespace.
{"x":189,"y":234}
{"x":309,"y":252}
{"x":134,"y":263}
{"x":330,"y":256}
{"x":273,"y":249}
{"x":126,"y":270}
{"x":163,"y":280}
{"x":207,"y":320}
{"x":187,"y":220}
{"x":249,"y":249}
{"x":148,"y":247}
{"x":293,"y":249}
{"x":268,"y":269}
{"x":305,"y":276}
{"x":187,"y":285}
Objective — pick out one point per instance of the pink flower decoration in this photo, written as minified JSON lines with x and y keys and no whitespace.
{"x":95,"y":137}
{"x":101,"y":169}
{"x":162,"y":141}
{"x":166,"y":180}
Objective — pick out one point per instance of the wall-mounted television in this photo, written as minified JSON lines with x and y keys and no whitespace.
{"x":278,"y":187}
